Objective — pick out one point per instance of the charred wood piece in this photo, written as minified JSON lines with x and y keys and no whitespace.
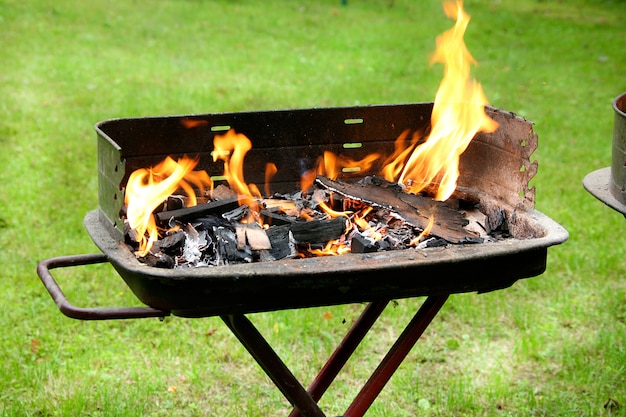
{"x":360,"y":244}
{"x":226,"y":248}
{"x":282,"y":244}
{"x":216,"y":207}
{"x":276,"y":219}
{"x":170,"y":244}
{"x":414,"y":209}
{"x":159,"y":260}
{"x":252,"y":235}
{"x":318,"y":231}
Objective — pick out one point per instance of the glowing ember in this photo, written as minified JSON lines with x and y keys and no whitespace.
{"x":332,"y":248}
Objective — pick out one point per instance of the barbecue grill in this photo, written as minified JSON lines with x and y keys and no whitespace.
{"x":495,"y":171}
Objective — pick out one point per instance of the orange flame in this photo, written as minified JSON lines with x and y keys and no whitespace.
{"x":270,"y":171}
{"x":458,"y":114}
{"x":332,"y":165}
{"x":393,"y":165}
{"x":328,"y":166}
{"x":332,"y":248}
{"x":147,"y":188}
{"x":231,"y":148}
{"x":364,"y":226}
{"x":307,"y":179}
{"x":333,"y":214}
{"x":425,"y":232}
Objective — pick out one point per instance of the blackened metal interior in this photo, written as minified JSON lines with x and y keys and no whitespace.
{"x":496,"y":168}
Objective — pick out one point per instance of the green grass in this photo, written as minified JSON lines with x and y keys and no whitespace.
{"x":554,"y":345}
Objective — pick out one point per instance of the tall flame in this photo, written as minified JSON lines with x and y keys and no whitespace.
{"x":147,"y":188}
{"x":231,"y":148}
{"x":458,"y":113}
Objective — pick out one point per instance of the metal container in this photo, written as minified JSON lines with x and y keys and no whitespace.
{"x":618,"y":166}
{"x":609,"y":184}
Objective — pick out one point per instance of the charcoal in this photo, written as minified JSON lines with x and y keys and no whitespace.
{"x":435,"y":242}
{"x":385,"y":244}
{"x":360,"y":244}
{"x":159,"y":260}
{"x":130,"y":236}
{"x":174,"y":202}
{"x":190,"y":213}
{"x":390,"y":242}
{"x":226,"y":247}
{"x":282,"y":243}
{"x":276,"y":219}
{"x":171,"y":243}
{"x":471,"y":240}
{"x":496,"y":220}
{"x":318,"y":231}
{"x":236,"y":214}
{"x":210,"y":222}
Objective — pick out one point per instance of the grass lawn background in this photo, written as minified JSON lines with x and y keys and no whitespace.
{"x":552,"y":345}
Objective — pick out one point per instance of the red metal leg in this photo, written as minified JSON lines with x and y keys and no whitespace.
{"x":396,"y":355}
{"x":305,"y":403}
{"x":346,"y":348}
{"x":273,"y":366}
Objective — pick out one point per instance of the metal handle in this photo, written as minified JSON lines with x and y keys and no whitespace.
{"x":81,"y":313}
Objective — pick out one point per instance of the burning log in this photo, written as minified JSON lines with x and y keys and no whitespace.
{"x":215,"y":207}
{"x":414,"y":209}
{"x":318,"y":231}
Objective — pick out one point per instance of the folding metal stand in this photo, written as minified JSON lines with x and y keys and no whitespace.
{"x":304,"y":401}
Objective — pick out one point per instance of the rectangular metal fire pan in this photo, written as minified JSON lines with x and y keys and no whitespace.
{"x":496,"y":168}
